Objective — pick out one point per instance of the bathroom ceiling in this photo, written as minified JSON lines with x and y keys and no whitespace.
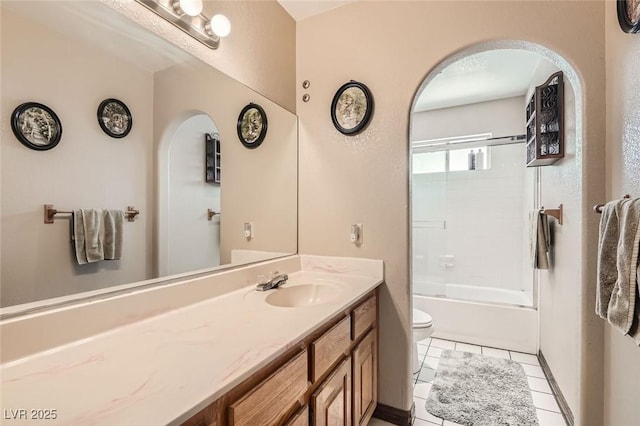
{"x":486,"y":76}
{"x":302,"y":9}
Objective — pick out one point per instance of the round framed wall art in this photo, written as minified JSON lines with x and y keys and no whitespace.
{"x":351,"y":108}
{"x":629,"y":15}
{"x":252,"y":126}
{"x":36,"y":126}
{"x":114,"y":118}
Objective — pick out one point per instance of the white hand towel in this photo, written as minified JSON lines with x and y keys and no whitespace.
{"x":113,"y":221}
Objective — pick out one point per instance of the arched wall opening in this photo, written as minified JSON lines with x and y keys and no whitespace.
{"x":561,"y":326}
{"x":186,"y":239}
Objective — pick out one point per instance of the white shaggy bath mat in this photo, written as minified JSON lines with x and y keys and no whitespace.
{"x":478,"y":390}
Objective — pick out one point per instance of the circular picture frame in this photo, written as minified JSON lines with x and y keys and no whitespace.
{"x":114,"y":118}
{"x":629,"y":15}
{"x":252,"y":126}
{"x":352,"y":108}
{"x":36,"y":126}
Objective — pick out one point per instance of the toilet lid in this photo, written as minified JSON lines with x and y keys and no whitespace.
{"x":421,"y":319}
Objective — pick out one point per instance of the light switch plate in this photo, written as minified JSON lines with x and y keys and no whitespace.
{"x":356,"y":233}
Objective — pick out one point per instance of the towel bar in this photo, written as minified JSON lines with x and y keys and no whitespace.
{"x":557,"y":213}
{"x":598,"y":207}
{"x":50,"y":212}
{"x":211,"y":214}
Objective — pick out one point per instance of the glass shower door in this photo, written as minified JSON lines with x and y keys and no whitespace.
{"x":429,"y":189}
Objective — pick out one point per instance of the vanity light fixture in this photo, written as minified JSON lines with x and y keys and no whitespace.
{"x":187,"y":15}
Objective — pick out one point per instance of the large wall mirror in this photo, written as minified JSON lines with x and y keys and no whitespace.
{"x":71,"y":56}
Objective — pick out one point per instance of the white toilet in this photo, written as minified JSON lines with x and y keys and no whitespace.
{"x":422,"y":328}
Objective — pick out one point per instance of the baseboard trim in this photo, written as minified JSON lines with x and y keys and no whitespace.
{"x":394,"y":415}
{"x":562,"y":403}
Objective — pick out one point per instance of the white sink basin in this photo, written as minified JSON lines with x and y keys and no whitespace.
{"x":303,"y":295}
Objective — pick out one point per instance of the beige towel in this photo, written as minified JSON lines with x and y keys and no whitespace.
{"x":113,"y":221}
{"x":93,"y":234}
{"x":78,"y":237}
{"x":539,"y":239}
{"x":97,"y":234}
{"x":618,"y":248}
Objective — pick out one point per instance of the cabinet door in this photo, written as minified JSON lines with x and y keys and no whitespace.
{"x":365,"y":379}
{"x":331,"y":402}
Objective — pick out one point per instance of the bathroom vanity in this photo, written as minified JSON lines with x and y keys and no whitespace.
{"x":305,"y":353}
{"x":330,"y":374}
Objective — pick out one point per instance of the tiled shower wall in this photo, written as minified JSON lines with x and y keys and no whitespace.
{"x":480,"y":218}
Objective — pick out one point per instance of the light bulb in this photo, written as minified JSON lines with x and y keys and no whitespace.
{"x":189,"y":7}
{"x":220,"y":25}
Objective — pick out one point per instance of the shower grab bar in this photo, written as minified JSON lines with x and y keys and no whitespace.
{"x":598,"y":207}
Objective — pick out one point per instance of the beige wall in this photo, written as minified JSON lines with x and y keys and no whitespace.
{"x":88,"y":169}
{"x":257,"y":185}
{"x":622,"y":356}
{"x":259,"y":52}
{"x":365,"y":178}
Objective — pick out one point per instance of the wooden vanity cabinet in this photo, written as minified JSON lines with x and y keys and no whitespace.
{"x":328,"y":378}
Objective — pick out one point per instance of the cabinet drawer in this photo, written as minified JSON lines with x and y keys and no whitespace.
{"x":330,"y":347}
{"x":301,"y":418}
{"x":364,"y":316}
{"x":272,"y":399}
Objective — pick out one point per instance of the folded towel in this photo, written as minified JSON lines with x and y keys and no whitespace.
{"x":618,"y":243}
{"x":93,"y":234}
{"x":539,"y":239}
{"x":78,"y":237}
{"x":113,"y":221}
{"x":97,"y":234}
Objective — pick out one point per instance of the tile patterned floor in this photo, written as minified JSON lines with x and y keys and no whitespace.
{"x":429,"y":351}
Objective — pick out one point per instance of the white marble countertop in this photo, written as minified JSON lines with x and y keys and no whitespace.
{"x":168,"y":367}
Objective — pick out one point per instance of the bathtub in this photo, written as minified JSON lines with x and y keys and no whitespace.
{"x":471,"y":293}
{"x":507,"y":322}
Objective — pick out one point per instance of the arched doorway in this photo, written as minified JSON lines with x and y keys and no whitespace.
{"x":188,"y":239}
{"x":524,"y":327}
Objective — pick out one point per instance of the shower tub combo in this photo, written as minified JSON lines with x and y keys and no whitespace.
{"x":479,"y":315}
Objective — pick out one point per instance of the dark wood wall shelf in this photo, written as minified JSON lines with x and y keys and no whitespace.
{"x":212,"y":158}
{"x":545,"y":122}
